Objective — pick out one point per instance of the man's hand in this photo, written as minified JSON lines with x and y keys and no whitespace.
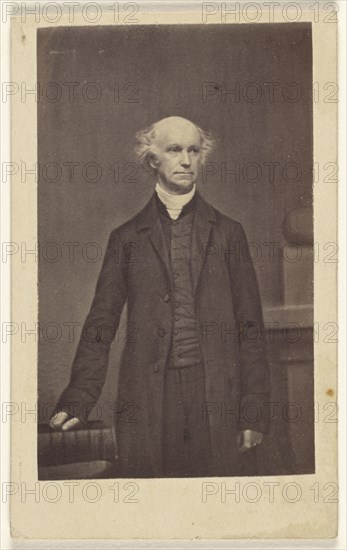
{"x":248,"y":439}
{"x":62,"y":422}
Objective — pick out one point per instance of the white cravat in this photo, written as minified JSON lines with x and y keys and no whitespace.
{"x":174,"y":203}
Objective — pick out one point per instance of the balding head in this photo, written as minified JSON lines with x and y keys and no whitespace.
{"x":174,"y":125}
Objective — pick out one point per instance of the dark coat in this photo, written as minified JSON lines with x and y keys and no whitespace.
{"x":136,"y":271}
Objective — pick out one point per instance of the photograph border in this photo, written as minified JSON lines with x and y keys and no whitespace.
{"x":177,"y":499}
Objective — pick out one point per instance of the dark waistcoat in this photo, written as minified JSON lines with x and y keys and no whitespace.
{"x":185,"y":347}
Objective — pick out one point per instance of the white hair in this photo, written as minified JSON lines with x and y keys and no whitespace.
{"x":145,"y":139}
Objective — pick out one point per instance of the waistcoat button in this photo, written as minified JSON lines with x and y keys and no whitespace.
{"x":166,"y":298}
{"x":161,"y":332}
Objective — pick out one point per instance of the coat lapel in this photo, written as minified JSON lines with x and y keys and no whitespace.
{"x":205,"y":217}
{"x":148,"y":220}
{"x":157,"y":238}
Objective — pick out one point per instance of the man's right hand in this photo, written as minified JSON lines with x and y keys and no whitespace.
{"x":62,"y":422}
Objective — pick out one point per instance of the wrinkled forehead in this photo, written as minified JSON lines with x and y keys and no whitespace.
{"x":182,"y":133}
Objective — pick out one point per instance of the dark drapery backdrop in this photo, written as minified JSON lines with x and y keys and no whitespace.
{"x":249,"y":85}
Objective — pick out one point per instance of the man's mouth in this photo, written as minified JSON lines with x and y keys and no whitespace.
{"x":184,"y":173}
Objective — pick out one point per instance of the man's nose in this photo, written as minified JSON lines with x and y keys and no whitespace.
{"x":185,"y":158}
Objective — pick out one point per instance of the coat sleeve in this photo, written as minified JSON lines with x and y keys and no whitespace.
{"x":91,"y":359}
{"x":254,"y":371}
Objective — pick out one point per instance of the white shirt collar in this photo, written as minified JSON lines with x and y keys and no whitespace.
{"x":174,"y":203}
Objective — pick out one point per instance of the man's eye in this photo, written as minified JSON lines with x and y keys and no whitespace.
{"x":174,"y":149}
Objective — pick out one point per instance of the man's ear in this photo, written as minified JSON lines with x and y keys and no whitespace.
{"x":153,"y":161}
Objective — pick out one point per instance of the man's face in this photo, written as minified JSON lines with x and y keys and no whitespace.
{"x":177,"y":158}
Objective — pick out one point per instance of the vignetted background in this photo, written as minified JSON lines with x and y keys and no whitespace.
{"x":98,"y":87}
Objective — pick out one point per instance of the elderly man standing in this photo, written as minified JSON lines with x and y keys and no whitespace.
{"x":194,"y":383}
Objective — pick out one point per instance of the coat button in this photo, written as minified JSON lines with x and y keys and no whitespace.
{"x":156,"y":368}
{"x":166,"y":298}
{"x":161,"y":332}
